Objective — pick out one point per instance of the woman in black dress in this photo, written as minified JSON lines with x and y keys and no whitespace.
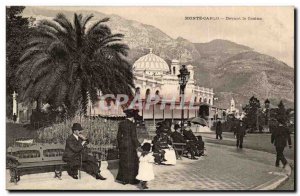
{"x":128,"y":144}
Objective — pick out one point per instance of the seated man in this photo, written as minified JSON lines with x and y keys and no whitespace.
{"x":76,"y":156}
{"x":178,"y":138}
{"x":189,"y":135}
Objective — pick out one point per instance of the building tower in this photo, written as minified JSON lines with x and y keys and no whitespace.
{"x":232,"y":105}
{"x":175,"y":67}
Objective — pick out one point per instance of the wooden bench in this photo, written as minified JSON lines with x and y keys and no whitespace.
{"x":40,"y":158}
{"x":36,"y":158}
{"x":180,"y":149}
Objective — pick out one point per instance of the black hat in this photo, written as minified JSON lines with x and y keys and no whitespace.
{"x":131,"y":112}
{"x":158,"y":124}
{"x":146,"y":147}
{"x":77,"y":126}
{"x":176,"y":126}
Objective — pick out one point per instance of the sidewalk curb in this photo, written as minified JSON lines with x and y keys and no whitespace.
{"x":273,"y":184}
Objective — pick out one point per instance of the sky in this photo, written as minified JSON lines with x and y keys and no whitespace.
{"x":272,"y":35}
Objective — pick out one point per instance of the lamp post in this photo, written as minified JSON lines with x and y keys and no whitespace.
{"x":183,"y":79}
{"x":267,"y":106}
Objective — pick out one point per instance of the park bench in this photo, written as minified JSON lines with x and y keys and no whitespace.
{"x":180,"y":149}
{"x":40,"y":158}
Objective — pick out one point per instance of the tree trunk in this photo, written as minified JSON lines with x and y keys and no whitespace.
{"x":38,"y":105}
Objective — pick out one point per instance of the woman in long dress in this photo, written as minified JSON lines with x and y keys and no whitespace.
{"x":128,"y":144}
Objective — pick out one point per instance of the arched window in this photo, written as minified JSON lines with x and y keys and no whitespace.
{"x":195,"y":100}
{"x":174,"y":70}
{"x":157,"y":92}
{"x":147,"y":93}
{"x":200,"y":100}
{"x":137,"y":90}
{"x":209,"y":101}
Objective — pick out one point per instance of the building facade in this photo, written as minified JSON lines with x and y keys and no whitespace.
{"x":154,"y":77}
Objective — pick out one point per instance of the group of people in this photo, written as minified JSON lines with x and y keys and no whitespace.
{"x":136,"y":159}
{"x":238,"y":129}
{"x":169,"y":134}
{"x":280,"y":137}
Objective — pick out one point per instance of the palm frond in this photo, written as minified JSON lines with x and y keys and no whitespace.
{"x":62,"y":20}
{"x":86,"y":19}
{"x":97,"y":25}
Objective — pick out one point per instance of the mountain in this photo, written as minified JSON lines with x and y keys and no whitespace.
{"x":251,"y":73}
{"x":232,"y":69}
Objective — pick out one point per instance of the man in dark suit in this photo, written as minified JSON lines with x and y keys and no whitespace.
{"x":193,"y":140}
{"x":219,"y":130}
{"x":239,"y":131}
{"x":76,"y":156}
{"x":280,"y":137}
{"x":178,"y":138}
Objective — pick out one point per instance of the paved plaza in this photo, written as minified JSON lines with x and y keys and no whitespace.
{"x":224,"y":168}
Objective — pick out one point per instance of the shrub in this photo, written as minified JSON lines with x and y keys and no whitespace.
{"x":99,"y":131}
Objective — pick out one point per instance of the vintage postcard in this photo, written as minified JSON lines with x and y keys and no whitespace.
{"x":150,"y":98}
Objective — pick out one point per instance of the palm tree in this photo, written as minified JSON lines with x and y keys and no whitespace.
{"x":66,"y":64}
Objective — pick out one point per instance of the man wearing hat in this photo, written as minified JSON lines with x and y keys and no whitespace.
{"x":239,"y":131}
{"x":77,"y":157}
{"x":193,"y":140}
{"x":219,"y":130}
{"x":280,"y":137}
{"x":178,"y":138}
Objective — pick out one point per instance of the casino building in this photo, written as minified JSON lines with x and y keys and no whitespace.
{"x":154,"y":77}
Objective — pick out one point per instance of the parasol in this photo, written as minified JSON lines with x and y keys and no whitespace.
{"x":199,"y":121}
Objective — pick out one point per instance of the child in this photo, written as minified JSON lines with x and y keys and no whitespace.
{"x":146,"y":165}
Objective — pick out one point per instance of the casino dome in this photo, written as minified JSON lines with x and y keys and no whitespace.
{"x":151,"y":63}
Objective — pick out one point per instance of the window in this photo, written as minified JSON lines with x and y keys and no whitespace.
{"x":147,"y":93}
{"x":157,"y":92}
{"x":137,"y":91}
{"x":174,"y":70}
{"x":200,"y":100}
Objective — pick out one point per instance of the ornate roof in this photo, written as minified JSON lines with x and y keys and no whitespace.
{"x":151,"y":62}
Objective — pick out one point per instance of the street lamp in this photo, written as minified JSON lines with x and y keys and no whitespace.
{"x":267,"y":106}
{"x":183,"y":79}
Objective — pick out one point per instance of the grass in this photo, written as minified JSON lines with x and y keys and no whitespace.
{"x":15,"y":131}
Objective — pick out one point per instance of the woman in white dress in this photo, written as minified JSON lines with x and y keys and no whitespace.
{"x":146,"y":159}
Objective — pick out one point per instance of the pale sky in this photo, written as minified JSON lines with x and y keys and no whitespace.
{"x":273,"y":35}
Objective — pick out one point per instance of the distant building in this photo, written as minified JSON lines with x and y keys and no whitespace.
{"x":233,"y":110}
